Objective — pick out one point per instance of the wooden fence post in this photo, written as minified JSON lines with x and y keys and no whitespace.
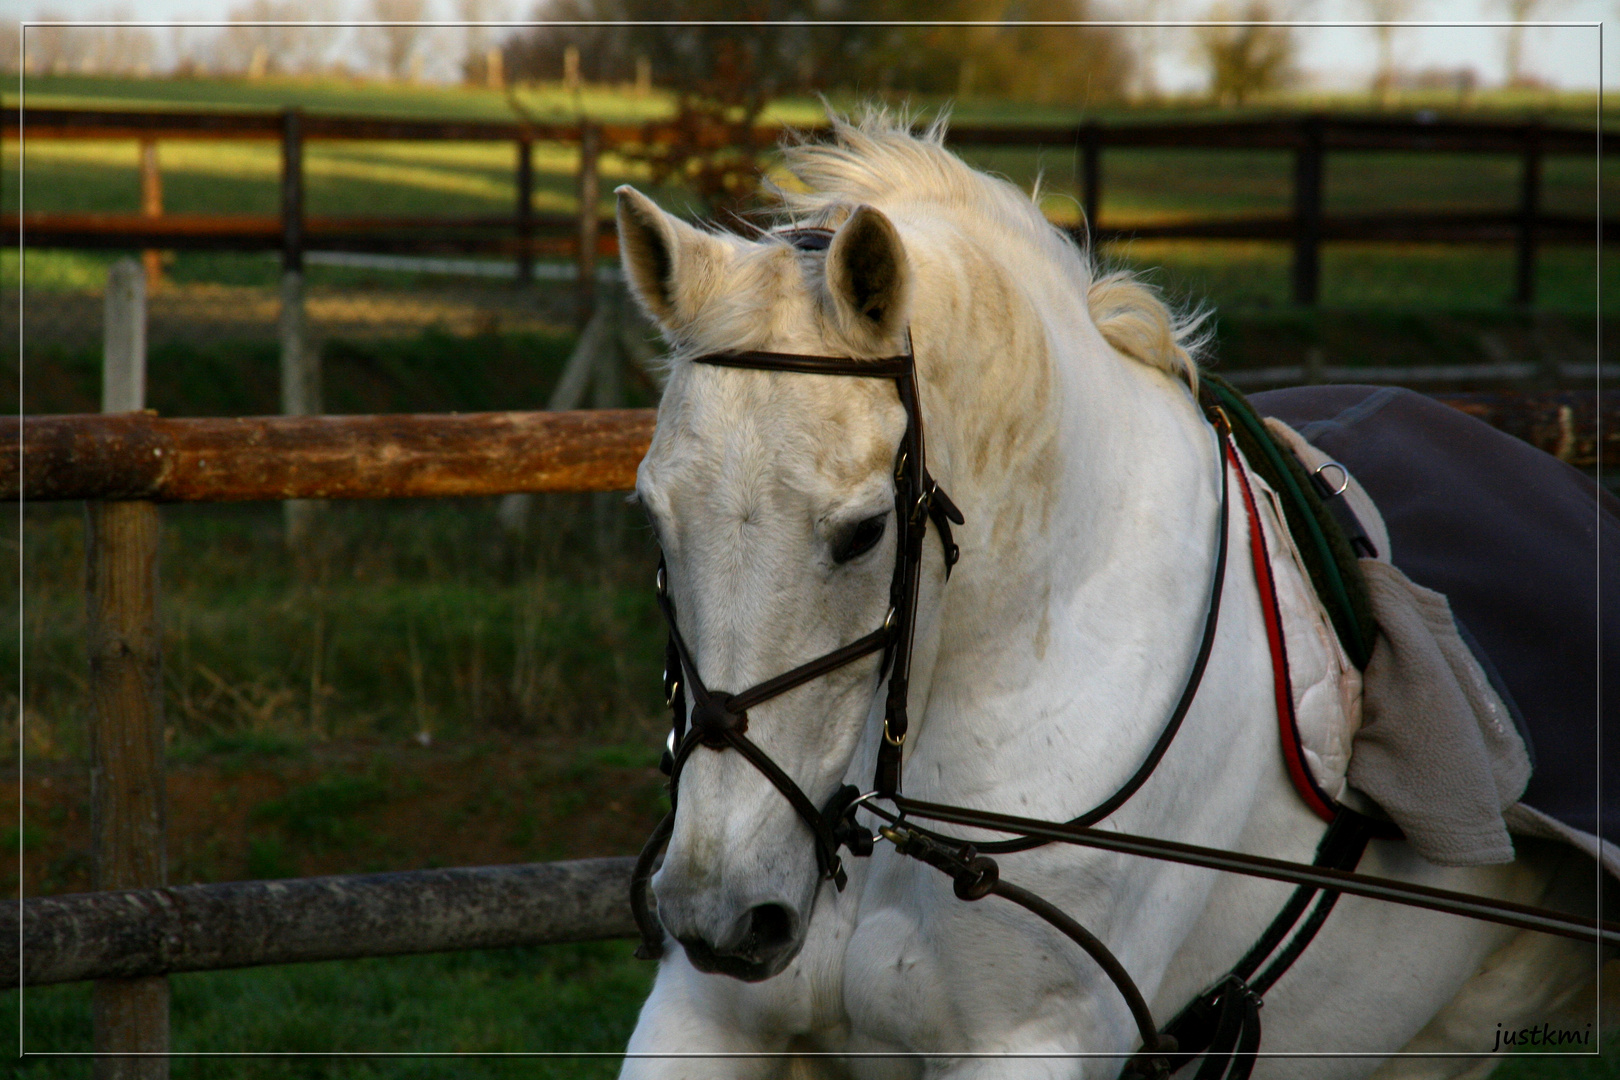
{"x":300,"y":356}
{"x":1524,"y":291}
{"x":1091,"y":175}
{"x":292,"y":191}
{"x":590,"y":146}
{"x":607,"y":392}
{"x":525,"y":208}
{"x":130,"y":1016}
{"x":152,"y":207}
{"x":1308,"y":212}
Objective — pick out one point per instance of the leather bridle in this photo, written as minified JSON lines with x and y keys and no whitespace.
{"x":1222,"y":1023}
{"x":720,"y":720}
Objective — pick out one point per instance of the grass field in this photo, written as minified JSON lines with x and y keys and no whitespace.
{"x":560,"y":998}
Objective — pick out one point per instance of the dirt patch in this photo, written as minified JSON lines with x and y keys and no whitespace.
{"x":359,"y":808}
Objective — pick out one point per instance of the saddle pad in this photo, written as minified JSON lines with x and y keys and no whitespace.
{"x":1323,"y":683}
{"x":1515,"y":539}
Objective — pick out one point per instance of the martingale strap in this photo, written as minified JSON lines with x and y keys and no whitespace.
{"x":1222,"y":1024}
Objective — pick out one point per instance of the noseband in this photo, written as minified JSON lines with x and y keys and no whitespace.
{"x":720,"y":720}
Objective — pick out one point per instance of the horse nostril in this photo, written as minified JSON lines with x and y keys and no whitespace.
{"x":761,"y":942}
{"x":770,"y":927}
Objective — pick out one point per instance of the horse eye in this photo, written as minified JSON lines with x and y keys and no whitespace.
{"x":859,"y":540}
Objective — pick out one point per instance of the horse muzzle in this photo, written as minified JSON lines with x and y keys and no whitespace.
{"x":759,"y":944}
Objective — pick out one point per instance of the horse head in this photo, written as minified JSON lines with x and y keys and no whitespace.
{"x":772,"y":498}
{"x":773,"y":494}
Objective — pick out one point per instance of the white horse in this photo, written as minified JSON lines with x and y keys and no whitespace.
{"x":1058,"y":416}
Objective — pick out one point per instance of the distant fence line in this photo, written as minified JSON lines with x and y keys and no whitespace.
{"x":524,"y":234}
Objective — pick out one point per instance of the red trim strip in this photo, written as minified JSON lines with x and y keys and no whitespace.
{"x":1287,"y":721}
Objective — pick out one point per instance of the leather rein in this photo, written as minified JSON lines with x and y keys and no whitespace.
{"x":1222,"y":1023}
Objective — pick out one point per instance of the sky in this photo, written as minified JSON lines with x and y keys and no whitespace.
{"x":1333,"y":56}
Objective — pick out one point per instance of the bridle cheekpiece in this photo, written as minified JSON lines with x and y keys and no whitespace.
{"x":719,"y":720}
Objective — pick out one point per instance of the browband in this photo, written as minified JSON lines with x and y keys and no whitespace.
{"x":887,"y":367}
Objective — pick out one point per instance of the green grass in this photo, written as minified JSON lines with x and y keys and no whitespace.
{"x":1137,"y":185}
{"x":552,"y":100}
{"x":477,"y":178}
{"x":558,"y":998}
{"x":412,"y":618}
{"x":342,"y":179}
{"x":1245,"y":280}
{"x":332,"y":95}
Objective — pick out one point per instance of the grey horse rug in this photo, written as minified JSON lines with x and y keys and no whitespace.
{"x":1527,"y":551}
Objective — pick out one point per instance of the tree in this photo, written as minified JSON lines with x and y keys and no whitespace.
{"x":724,"y":76}
{"x":259,"y":29}
{"x":54,"y":49}
{"x":1386,"y":13}
{"x":10,"y":47}
{"x":1519,"y":11}
{"x":800,"y":52}
{"x":1252,"y":57}
{"x":392,"y":44}
{"x":475,"y":42}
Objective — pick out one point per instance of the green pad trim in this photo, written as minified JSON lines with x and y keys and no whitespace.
{"x":1334,"y":569}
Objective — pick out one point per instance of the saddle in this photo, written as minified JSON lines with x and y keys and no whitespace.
{"x":1514,"y":541}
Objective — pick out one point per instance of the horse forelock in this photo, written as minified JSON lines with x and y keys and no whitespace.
{"x":877,"y":159}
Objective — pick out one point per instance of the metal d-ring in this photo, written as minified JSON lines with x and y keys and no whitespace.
{"x":1343,"y":472}
{"x":857,"y":800}
{"x":662,"y":581}
{"x":890,"y":739}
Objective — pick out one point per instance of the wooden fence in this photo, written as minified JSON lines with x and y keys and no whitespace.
{"x":524,"y":234}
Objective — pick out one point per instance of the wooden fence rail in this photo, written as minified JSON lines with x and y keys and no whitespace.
{"x":141,"y":933}
{"x":143,"y":456}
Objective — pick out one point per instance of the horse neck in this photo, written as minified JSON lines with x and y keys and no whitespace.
{"x":1090,"y":484}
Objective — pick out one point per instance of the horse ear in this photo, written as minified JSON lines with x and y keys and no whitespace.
{"x":665,"y":260}
{"x":868,"y":275}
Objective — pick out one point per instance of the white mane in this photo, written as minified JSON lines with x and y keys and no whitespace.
{"x":877,"y":159}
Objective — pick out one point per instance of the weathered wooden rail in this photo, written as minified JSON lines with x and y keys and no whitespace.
{"x":146,"y":457}
{"x":141,"y":933}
